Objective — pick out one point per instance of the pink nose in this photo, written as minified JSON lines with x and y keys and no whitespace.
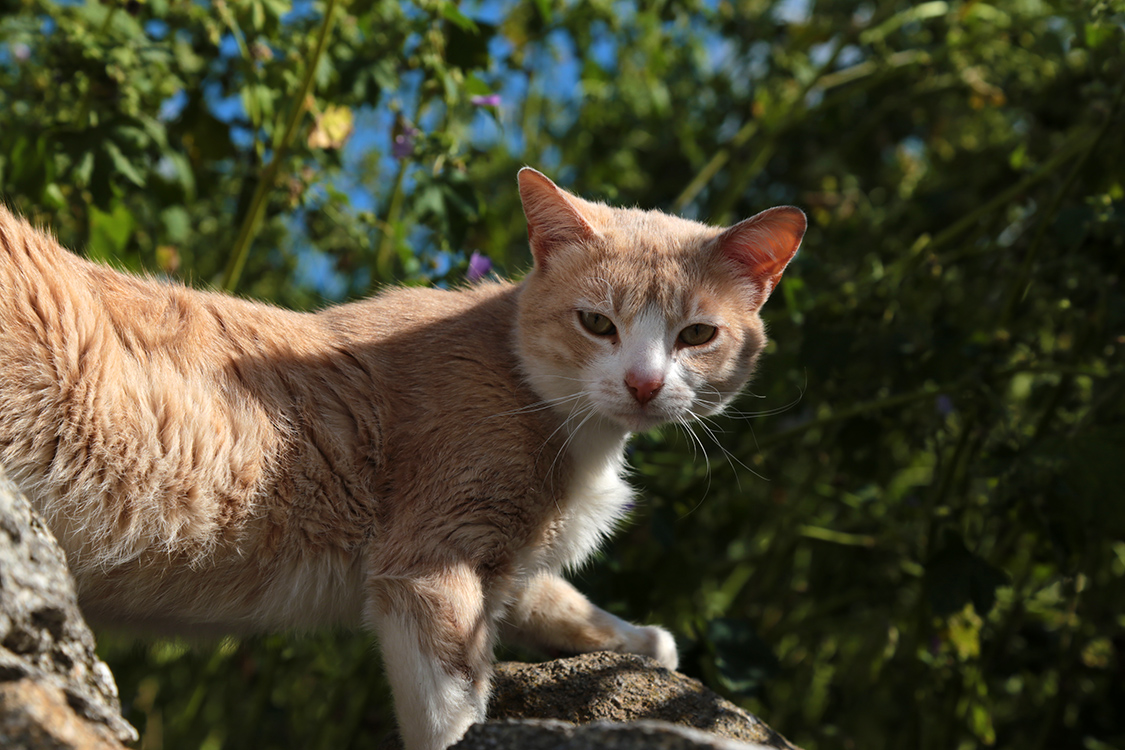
{"x":643,"y":387}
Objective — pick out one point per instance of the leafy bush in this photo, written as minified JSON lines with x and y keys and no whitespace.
{"x":912,"y":534}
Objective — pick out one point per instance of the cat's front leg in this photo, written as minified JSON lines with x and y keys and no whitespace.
{"x":551,"y":615}
{"x":435,"y":634}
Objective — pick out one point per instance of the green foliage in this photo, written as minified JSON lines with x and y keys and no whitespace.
{"x":913,"y":533}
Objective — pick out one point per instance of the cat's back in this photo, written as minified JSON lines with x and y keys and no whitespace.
{"x":445,"y":353}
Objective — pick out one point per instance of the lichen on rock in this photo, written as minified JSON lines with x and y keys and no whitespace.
{"x":609,"y":689}
{"x":54,"y":691}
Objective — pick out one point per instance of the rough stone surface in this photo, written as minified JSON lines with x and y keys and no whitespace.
{"x":605,"y":687}
{"x":38,"y":716}
{"x":552,"y":734}
{"x":54,"y":692}
{"x":549,"y":734}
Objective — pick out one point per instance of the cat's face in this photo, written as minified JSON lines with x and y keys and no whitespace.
{"x":636,"y":318}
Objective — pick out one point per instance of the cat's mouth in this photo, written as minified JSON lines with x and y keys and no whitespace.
{"x":639,"y":420}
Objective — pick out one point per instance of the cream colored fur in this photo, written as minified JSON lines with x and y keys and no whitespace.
{"x":424,"y":463}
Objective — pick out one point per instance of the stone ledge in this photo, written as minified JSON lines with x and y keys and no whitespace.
{"x":621,"y":688}
{"x":48,"y":670}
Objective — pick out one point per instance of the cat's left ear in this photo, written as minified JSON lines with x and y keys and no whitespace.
{"x":763,"y":245}
{"x":554,"y":217}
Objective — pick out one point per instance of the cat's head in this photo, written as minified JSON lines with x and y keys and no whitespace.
{"x":637,"y":318}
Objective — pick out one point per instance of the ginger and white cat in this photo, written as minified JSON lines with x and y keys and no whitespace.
{"x":424,"y":463}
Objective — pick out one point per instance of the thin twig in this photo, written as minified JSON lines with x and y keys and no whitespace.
{"x":253,"y":218}
{"x":926,"y":246}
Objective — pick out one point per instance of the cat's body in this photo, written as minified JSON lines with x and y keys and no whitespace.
{"x":424,"y":463}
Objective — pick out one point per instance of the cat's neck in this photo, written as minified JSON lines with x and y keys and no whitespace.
{"x":597,"y":444}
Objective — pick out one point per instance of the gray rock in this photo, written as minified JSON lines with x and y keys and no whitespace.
{"x":550,"y":734}
{"x":619,"y":688}
{"x":54,"y":692}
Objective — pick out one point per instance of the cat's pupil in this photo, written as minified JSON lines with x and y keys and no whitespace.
{"x":697,"y":334}
{"x":597,"y":324}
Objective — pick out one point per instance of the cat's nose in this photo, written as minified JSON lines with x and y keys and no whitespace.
{"x":644,"y":387}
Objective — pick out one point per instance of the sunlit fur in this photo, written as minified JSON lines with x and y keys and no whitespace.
{"x":424,"y":463}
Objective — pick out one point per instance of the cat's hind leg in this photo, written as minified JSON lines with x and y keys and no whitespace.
{"x":435,"y":634}
{"x":551,"y":615}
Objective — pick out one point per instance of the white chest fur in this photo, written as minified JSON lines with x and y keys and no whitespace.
{"x":597,"y":497}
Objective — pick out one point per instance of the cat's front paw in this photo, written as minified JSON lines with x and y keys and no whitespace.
{"x":660,"y":645}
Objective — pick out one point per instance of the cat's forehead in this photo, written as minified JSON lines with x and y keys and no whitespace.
{"x":632,"y":282}
{"x":644,"y":261}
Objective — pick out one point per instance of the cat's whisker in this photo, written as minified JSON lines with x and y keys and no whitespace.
{"x":766,"y":412}
{"x":685,"y":425}
{"x":730,"y":457}
{"x":553,"y":376}
{"x":571,"y":432}
{"x":587,"y":408}
{"x":564,"y":424}
{"x":547,"y":403}
{"x":697,"y":446}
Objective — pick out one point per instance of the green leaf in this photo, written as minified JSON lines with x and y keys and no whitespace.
{"x":80,"y":174}
{"x":53,"y":196}
{"x":109,"y":232}
{"x":450,"y":12}
{"x":1099,"y":33}
{"x":122,"y":165}
{"x":544,"y":8}
{"x":184,"y":174}
{"x":131,"y":138}
{"x":177,"y":223}
{"x":474,"y":86}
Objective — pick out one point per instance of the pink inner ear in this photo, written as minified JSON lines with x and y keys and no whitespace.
{"x":553,"y":215}
{"x":764,"y":244}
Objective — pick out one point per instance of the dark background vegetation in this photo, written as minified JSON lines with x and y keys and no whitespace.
{"x":913,"y":535}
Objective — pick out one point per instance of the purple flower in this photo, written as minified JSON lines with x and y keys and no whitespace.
{"x":944,"y":405}
{"x":21,"y":51}
{"x":491,"y":100}
{"x":479,"y":266}
{"x":403,"y":145}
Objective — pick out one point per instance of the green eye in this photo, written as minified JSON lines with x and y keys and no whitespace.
{"x":597,"y":324}
{"x":697,"y":335}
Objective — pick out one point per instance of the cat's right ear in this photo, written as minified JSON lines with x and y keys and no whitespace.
{"x":554,"y":217}
{"x":762,"y":246}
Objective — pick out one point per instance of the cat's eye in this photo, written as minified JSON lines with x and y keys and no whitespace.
{"x":597,"y":324}
{"x":697,"y":334}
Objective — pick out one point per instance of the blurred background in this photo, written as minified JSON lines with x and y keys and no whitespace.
{"x":911,"y":531}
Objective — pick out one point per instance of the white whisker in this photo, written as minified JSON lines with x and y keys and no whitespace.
{"x":685,"y":425}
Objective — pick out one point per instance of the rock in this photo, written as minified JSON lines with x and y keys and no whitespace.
{"x":549,"y":734}
{"x":38,"y":716}
{"x":54,"y":692}
{"x":607,"y":687}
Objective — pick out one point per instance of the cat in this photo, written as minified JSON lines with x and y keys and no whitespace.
{"x":424,"y":463}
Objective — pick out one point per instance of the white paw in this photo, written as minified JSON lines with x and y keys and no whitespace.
{"x":660,"y":645}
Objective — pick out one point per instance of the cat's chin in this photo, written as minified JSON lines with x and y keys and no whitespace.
{"x":640,"y":421}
